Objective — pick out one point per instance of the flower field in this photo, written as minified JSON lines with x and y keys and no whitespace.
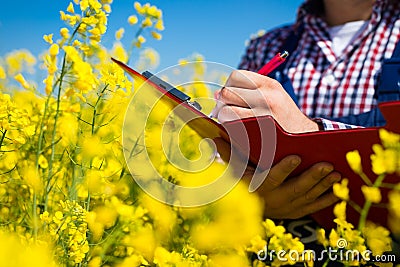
{"x":69,"y":198}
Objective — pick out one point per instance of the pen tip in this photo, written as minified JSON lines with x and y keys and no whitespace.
{"x":285,"y":54}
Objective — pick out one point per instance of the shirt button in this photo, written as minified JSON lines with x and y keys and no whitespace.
{"x":330,"y":79}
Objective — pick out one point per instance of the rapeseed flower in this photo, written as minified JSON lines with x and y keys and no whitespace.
{"x":354,"y":160}
{"x":378,"y":238}
{"x":372,"y":194}
{"x":119,"y":34}
{"x":21,"y":79}
{"x":341,"y":190}
{"x":68,"y":175}
{"x":48,"y":38}
{"x":132,"y":20}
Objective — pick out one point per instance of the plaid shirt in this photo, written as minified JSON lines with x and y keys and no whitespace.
{"x":329,"y":85}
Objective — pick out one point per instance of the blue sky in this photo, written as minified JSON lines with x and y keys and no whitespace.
{"x":215,"y":29}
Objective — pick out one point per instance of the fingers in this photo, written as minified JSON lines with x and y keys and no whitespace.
{"x":320,"y":203}
{"x":279,"y":172}
{"x":322,"y":187}
{"x":242,"y":79}
{"x":233,"y":96}
{"x":230,"y":113}
{"x":309,"y":178}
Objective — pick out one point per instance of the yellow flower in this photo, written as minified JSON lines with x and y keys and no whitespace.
{"x":159,"y":25}
{"x":149,"y":58}
{"x":43,"y":162}
{"x":119,"y":52}
{"x":96,"y":262}
{"x":119,"y":33}
{"x":394,"y":212}
{"x":16,"y":251}
{"x":321,"y":237}
{"x":389,"y":139}
{"x":45,"y":216}
{"x":156,"y":35}
{"x":153,"y":12}
{"x":384,"y":160}
{"x":354,"y":161}
{"x":341,"y":190}
{"x":54,"y":50}
{"x":3,"y":75}
{"x":70,"y":8}
{"x":372,"y":194}
{"x":107,"y":216}
{"x":107,"y":8}
{"x":19,"y":61}
{"x":333,"y":238}
{"x":340,"y":210}
{"x":92,"y":147}
{"x":138,"y":8}
{"x":64,"y":32}
{"x":48,"y":38}
{"x":257,"y":244}
{"x":140,"y":41}
{"x":147,"y":22}
{"x":84,"y":4}
{"x":32,"y":178}
{"x":20,"y":78}
{"x":68,"y":130}
{"x":48,"y":81}
{"x":132,"y":20}
{"x":378,"y":238}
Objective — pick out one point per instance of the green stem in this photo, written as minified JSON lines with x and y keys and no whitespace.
{"x":133,"y":44}
{"x":46,"y":107}
{"x":367,"y":204}
{"x":365,"y":178}
{"x":95,"y":108}
{"x":41,"y":132}
{"x":35,"y":218}
{"x":50,"y":172}
{"x":2,"y":138}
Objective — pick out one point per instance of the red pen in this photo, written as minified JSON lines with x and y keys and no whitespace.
{"x":273,"y":63}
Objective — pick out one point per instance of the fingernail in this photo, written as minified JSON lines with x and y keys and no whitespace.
{"x":295,"y":161}
{"x":326,"y":170}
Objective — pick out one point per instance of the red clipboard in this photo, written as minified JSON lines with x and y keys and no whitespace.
{"x":266,"y":135}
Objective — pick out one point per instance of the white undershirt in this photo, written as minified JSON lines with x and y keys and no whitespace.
{"x":342,"y":35}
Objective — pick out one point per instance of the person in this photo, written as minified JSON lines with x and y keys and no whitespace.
{"x":330,"y":81}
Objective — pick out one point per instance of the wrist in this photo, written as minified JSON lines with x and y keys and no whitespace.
{"x":310,"y":126}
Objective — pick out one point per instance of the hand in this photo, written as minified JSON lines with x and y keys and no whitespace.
{"x":288,"y":198}
{"x":248,"y":94}
{"x":297,"y":196}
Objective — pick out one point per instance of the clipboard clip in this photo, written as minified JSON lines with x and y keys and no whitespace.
{"x":171,"y":89}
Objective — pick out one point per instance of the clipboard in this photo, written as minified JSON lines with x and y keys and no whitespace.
{"x":269,"y":143}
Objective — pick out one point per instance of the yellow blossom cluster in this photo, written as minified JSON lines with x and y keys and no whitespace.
{"x":385,"y":161}
{"x":386,"y":157}
{"x":65,"y":183}
{"x":148,"y":18}
{"x":68,"y":182}
{"x":152,"y":18}
{"x":69,"y":227}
